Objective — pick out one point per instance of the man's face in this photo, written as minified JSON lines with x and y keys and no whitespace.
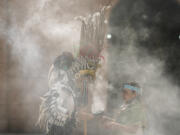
{"x":128,"y":94}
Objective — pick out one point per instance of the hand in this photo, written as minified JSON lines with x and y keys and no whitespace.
{"x":109,"y":124}
{"x":84,"y":115}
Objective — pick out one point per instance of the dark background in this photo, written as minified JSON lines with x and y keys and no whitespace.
{"x":162,"y":20}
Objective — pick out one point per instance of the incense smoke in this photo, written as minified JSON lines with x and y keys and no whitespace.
{"x":37,"y":31}
{"x":139,"y":51}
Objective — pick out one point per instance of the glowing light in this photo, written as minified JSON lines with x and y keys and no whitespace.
{"x":105,"y":21}
{"x":109,"y":36}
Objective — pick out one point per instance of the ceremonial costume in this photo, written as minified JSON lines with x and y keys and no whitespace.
{"x":92,"y":71}
{"x":129,"y":114}
{"x":78,"y":84}
{"x":128,"y":118}
{"x":58,"y":107}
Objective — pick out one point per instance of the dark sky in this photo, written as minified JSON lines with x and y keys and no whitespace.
{"x":162,"y":20}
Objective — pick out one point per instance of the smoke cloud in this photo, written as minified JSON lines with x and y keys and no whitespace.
{"x":138,"y":52}
{"x":37,"y":31}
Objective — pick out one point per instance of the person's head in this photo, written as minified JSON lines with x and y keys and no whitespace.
{"x":130,"y":91}
{"x":64,"y":61}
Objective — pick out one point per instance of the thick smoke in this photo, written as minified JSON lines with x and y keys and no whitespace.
{"x":45,"y":27}
{"x":160,"y":95}
{"x":38,"y":31}
{"x":141,"y":36}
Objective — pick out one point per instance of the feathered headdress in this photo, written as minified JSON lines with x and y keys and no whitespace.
{"x":93,"y":31}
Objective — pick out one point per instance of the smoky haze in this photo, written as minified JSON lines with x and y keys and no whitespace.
{"x":37,"y":31}
{"x":145,"y":48}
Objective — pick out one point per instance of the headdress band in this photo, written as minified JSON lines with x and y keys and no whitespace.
{"x":132,"y":88}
